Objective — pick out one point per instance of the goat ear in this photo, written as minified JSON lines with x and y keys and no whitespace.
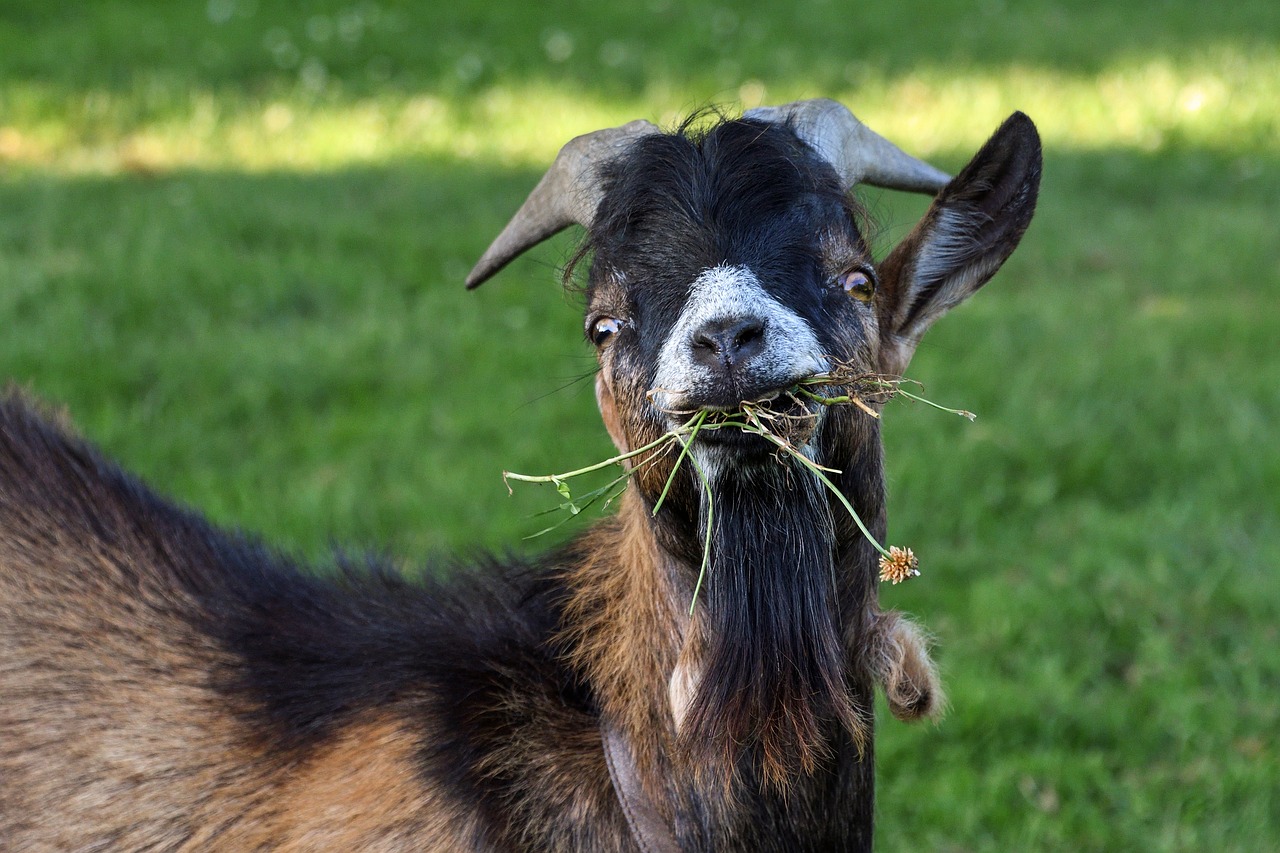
{"x":973,"y":225}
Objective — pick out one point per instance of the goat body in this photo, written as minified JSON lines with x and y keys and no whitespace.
{"x":168,"y":685}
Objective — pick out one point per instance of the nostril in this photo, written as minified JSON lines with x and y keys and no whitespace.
{"x":703,"y":340}
{"x":725,"y":342}
{"x":749,"y":333}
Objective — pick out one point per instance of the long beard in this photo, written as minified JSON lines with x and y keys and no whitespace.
{"x":772,"y":688}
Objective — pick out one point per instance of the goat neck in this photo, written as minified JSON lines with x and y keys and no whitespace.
{"x":756,"y":689}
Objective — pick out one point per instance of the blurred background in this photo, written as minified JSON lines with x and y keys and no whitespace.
{"x":233,"y":236}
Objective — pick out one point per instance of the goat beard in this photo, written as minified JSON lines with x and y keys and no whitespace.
{"x":772,"y":690}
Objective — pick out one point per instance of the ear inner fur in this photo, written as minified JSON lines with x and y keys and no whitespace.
{"x":968,"y":232}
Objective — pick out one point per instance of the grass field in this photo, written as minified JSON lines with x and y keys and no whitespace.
{"x":232,"y":243}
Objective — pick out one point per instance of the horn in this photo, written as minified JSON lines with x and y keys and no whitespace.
{"x":568,"y":193}
{"x":858,"y":153}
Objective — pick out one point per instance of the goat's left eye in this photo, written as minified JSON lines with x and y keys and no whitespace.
{"x":604,"y":329}
{"x":859,"y":285}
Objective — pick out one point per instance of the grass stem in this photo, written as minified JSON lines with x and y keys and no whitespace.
{"x":752,"y":418}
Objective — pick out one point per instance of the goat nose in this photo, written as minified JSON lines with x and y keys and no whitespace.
{"x":723,"y":343}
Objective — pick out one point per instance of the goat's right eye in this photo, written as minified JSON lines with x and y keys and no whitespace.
{"x":859,"y":285}
{"x":603,"y":329}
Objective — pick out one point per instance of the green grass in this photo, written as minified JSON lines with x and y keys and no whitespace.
{"x":233,"y":237}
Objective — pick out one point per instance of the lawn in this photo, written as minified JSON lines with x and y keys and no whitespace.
{"x":232,"y":243}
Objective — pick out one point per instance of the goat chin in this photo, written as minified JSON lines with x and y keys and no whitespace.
{"x":771,"y":691}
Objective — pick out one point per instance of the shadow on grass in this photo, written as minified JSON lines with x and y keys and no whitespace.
{"x":295,"y":354}
{"x":308,"y":334}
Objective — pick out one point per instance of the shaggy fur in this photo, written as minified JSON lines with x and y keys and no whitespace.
{"x":168,"y":685}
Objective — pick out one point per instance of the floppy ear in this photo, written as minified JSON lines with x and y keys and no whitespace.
{"x":973,"y":225}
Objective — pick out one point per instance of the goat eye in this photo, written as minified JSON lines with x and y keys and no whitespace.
{"x":859,"y":285}
{"x":604,"y":329}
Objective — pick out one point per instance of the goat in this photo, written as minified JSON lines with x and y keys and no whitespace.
{"x":168,"y":685}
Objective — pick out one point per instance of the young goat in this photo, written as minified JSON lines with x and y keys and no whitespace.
{"x":166,"y":685}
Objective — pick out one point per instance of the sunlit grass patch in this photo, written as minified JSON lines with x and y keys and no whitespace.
{"x":107,"y":132}
{"x":1221,"y":98}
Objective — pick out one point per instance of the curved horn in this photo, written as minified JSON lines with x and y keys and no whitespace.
{"x":859,"y":154}
{"x":568,"y":193}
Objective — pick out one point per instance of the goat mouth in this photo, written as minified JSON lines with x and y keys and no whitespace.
{"x":763,"y":423}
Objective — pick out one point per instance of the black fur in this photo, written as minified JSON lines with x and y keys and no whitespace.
{"x":740,"y":192}
{"x":306,"y":651}
{"x":750,"y":194}
{"x":776,"y":674}
{"x":309,"y":652}
{"x":482,"y":670}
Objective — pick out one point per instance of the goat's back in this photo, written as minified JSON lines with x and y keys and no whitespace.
{"x":98,"y":642}
{"x":164,"y":684}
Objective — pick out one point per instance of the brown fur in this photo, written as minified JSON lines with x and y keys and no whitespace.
{"x":166,"y":685}
{"x":626,"y":632}
{"x":361,"y":792}
{"x":630,"y":628}
{"x":119,"y":733}
{"x":898,"y":656}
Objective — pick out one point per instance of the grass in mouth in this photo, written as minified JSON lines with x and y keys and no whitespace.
{"x":787,"y":421}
